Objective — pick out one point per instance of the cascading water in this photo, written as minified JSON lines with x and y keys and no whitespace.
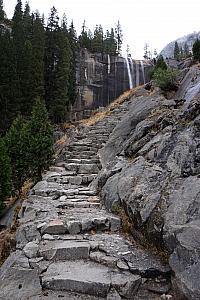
{"x":108,"y":63}
{"x":142,"y":67}
{"x":86,"y":77}
{"x":129,"y":74}
{"x":131,"y":68}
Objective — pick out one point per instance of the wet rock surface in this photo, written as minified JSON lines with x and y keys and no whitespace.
{"x":143,"y":158}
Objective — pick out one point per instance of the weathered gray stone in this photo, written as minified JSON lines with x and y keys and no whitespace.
{"x":16,"y":259}
{"x":73,"y":227}
{"x":19,"y":284}
{"x":115,"y":223}
{"x":100,"y":257}
{"x":34,"y":262}
{"x":27,"y":233}
{"x":122,"y":265}
{"x":56,"y":226}
{"x":31,"y":249}
{"x":75,"y":180}
{"x":48,"y":237}
{"x":113,"y":295}
{"x":88,"y":169}
{"x":82,"y":277}
{"x":65,"y":250}
{"x":126,"y":284}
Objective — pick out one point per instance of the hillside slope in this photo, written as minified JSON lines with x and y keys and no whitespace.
{"x":117,"y":216}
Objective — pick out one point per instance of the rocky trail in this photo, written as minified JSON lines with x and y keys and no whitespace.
{"x":68,"y":245}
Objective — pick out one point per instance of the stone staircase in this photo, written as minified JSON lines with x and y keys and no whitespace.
{"x":72,"y":245}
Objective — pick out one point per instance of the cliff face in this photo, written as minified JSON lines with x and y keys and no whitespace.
{"x":101,"y":79}
{"x":151,"y":167}
{"x":168,"y":50}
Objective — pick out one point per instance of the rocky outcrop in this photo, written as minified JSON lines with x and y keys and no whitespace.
{"x":151,"y":168}
{"x":189,"y":39}
{"x":103,"y":78}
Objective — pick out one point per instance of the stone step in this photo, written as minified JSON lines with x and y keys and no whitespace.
{"x":82,"y":148}
{"x":83,"y":161}
{"x":78,"y":203}
{"x":64,"y":250}
{"x":83,"y":168}
{"x":89,"y":278}
{"x":79,"y":220}
{"x":88,"y":153}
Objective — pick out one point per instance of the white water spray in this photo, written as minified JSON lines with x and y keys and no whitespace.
{"x":129,"y":74}
{"x":108,"y":63}
{"x":86,"y":77}
{"x":142,"y":67}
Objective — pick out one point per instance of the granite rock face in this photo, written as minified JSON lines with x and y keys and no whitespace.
{"x":101,"y":79}
{"x":151,"y":169}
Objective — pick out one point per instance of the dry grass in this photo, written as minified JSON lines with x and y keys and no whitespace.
{"x":7,"y":244}
{"x":108,"y":110}
{"x":60,"y":145}
{"x":62,"y":141}
{"x":28,"y":184}
{"x":66,"y":126}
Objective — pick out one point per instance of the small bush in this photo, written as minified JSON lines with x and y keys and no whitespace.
{"x":165,"y":79}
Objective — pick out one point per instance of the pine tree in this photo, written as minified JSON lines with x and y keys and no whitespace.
{"x":40,"y":136}
{"x":50,"y":59}
{"x":119,"y":37}
{"x":2,"y":13}
{"x":160,"y":64}
{"x":186,"y":50}
{"x":21,"y":50}
{"x":146,"y":51}
{"x":97,"y":42}
{"x":62,"y":72}
{"x":9,"y":87}
{"x":5,"y":174}
{"x":85,"y":38}
{"x":37,"y":64}
{"x":72,"y":92}
{"x":16,"y":140}
{"x":196,"y":50}
{"x":110,"y":43}
{"x":27,"y":22}
{"x":176,"y":51}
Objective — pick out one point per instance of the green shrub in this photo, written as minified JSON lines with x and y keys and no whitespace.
{"x":15,"y":141}
{"x":165,"y":79}
{"x":40,"y":137}
{"x":160,"y":64}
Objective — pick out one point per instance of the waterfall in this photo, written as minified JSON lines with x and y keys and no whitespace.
{"x":86,"y":77}
{"x":108,"y":63}
{"x":129,"y":74}
{"x":142,"y":67}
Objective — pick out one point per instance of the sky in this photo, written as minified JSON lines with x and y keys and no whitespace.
{"x":155,"y":22}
